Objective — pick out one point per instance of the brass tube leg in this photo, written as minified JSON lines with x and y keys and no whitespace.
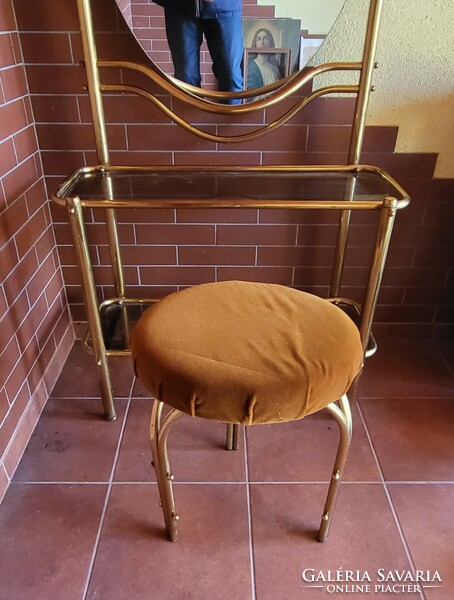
{"x":158,"y":438}
{"x":343,"y":417}
{"x":341,"y":248}
{"x":76,"y":220}
{"x":232,"y":441}
{"x":115,"y":252}
{"x":385,"y":227}
{"x":352,"y":392}
{"x":341,"y":242}
{"x":365,"y":81}
{"x":100,"y":131}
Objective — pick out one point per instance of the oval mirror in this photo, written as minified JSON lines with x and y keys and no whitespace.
{"x":296,"y":34}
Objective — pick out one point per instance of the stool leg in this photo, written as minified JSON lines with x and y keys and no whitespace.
{"x":232,"y":441}
{"x":343,"y":416}
{"x":158,"y":437}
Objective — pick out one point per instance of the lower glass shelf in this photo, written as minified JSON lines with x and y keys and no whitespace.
{"x":353,"y":310}
{"x":119,"y":317}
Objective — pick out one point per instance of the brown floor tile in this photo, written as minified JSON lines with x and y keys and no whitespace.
{"x":286,"y":518}
{"x":406,"y":369}
{"x":79,"y":377}
{"x":407,"y":399}
{"x":210,"y":560}
{"x":425,"y":513}
{"x":48,"y":534}
{"x":413,"y":439}
{"x":305,"y":451}
{"x":139,"y":390}
{"x":71,"y":442}
{"x":196,"y":449}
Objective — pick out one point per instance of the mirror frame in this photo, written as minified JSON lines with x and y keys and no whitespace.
{"x":211,"y":101}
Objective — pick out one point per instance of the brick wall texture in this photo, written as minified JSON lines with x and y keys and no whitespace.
{"x":34,"y":315}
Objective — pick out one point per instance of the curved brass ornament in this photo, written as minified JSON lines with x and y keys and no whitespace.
{"x":196,"y":97}
{"x":204,"y":99}
{"x":214,"y":137}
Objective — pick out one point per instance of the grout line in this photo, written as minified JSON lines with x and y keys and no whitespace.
{"x":390,"y":502}
{"x":106,"y":502}
{"x":420,"y":482}
{"x":408,"y":398}
{"x":249,"y":512}
{"x":84,"y":397}
{"x":59,"y":482}
{"x":32,"y":339}
{"x":95,"y":548}
{"x":250,"y":483}
{"x":21,"y":162}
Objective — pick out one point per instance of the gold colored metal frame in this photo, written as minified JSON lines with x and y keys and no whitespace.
{"x":211,"y":102}
{"x":159,"y":432}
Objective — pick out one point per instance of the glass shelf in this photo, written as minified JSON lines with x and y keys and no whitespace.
{"x":118,"y":317}
{"x":292,"y":187}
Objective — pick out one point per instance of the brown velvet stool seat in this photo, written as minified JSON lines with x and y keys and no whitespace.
{"x":245,"y":353}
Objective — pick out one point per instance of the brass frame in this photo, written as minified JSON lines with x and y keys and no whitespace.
{"x":159,"y":432}
{"x":208,"y":101}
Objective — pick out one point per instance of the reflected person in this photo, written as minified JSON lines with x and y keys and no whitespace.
{"x":262,"y":68}
{"x":187,"y":21}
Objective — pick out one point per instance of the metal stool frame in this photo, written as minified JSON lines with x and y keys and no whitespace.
{"x":159,"y":433}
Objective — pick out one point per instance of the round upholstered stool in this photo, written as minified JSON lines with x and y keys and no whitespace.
{"x":245,"y":353}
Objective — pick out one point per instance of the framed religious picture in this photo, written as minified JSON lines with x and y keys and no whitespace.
{"x":263,"y":66}
{"x":280,"y":33}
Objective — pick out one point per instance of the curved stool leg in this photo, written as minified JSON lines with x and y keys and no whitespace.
{"x":232,"y":437}
{"x":343,"y":416}
{"x":158,"y":438}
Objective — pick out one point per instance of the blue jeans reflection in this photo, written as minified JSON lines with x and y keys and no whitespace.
{"x":224,"y":38}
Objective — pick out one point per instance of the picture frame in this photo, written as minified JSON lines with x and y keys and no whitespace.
{"x":284,"y":33}
{"x":309,"y":46}
{"x":263,"y":66}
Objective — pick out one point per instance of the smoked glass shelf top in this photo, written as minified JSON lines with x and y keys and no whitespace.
{"x":360,"y":186}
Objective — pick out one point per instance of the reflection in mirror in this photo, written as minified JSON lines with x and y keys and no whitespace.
{"x":299,"y":30}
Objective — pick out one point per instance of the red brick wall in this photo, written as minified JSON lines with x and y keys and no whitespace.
{"x":34,"y":317}
{"x":179,"y":248}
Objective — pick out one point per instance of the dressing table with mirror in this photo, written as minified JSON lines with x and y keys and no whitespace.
{"x":342,"y":188}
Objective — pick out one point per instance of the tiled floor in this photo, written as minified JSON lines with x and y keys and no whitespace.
{"x":81,"y":518}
